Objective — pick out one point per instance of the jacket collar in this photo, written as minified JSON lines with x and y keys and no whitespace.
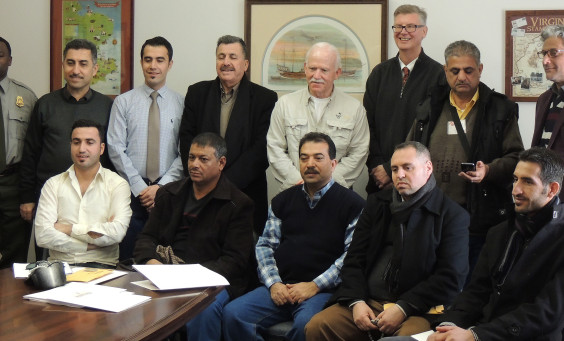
{"x":222,"y":191}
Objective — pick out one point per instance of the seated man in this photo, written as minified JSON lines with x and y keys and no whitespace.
{"x":202,"y":219}
{"x":410,"y":248}
{"x":517,"y":288}
{"x":301,"y":250}
{"x":84,"y":212}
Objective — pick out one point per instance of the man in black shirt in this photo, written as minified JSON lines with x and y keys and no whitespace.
{"x":46,"y":150}
{"x":202,"y":219}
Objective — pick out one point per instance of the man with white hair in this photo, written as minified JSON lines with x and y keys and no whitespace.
{"x":321,"y":107}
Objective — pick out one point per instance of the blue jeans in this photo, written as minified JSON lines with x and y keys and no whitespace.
{"x":248,"y":317}
{"x":206,"y":326}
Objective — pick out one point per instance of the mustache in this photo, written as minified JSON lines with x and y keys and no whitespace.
{"x":311,"y":171}
{"x":227,"y":68}
{"x":315,"y":80}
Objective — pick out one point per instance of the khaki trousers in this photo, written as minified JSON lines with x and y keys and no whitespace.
{"x":336,"y":323}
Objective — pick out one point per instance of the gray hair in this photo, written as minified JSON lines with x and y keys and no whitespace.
{"x":410,"y":9}
{"x":325,"y":45}
{"x":553,"y":31}
{"x":227,"y":39}
{"x":462,"y":48}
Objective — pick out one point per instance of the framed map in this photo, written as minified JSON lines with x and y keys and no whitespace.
{"x":279,"y":33}
{"x":106,"y":23}
{"x":525,"y":78}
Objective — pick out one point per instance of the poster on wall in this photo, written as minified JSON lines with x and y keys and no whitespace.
{"x":525,"y":79}
{"x":279,"y":35}
{"x":106,"y":23}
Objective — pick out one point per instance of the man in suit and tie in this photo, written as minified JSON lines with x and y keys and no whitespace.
{"x":239,"y":111}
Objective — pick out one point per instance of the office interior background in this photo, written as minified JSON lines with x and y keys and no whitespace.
{"x":193,"y":26}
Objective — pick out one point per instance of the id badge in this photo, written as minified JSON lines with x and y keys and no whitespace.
{"x":451,"y":127}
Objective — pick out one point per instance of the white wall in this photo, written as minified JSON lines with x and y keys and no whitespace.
{"x":193,"y":26}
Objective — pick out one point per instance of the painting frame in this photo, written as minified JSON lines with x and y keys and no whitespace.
{"x":126,"y":70}
{"x":525,"y":80}
{"x":372,"y":31}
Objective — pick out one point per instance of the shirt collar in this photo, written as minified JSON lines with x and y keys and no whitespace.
{"x":148,"y":90}
{"x":4,"y":84}
{"x":317,"y":195}
{"x":71,"y":172}
{"x":233,"y":90}
{"x":309,"y":97}
{"x":463,"y":112}
{"x":67,"y":95}
{"x":409,"y":66}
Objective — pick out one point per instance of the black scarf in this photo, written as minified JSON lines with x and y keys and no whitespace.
{"x":526,"y":227}
{"x":401,"y":211}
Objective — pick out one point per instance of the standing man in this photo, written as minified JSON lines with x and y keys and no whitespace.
{"x":83,"y":213}
{"x":549,"y":117}
{"x":16,"y":104}
{"x":203,"y":219}
{"x":410,"y":249}
{"x":467,"y":122}
{"x":143,"y":136}
{"x":301,"y":251}
{"x":323,"y":108}
{"x":46,"y":148}
{"x":394,"y":89}
{"x":239,"y":111}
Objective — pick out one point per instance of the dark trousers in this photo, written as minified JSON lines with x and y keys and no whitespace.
{"x":139,"y":217}
{"x":14,"y":231}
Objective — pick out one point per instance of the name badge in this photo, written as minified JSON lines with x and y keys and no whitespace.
{"x":451,"y":128}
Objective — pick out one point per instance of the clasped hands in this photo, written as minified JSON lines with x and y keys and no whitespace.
{"x":387,"y":322}
{"x":292,"y":293}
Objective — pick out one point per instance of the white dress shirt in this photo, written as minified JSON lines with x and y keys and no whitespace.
{"x":103,"y":209}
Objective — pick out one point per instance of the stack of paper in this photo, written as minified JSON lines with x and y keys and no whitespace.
{"x":89,"y":295}
{"x":181,"y":276}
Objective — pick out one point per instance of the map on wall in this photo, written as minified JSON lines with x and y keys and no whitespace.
{"x":525,"y":75}
{"x":100,"y":23}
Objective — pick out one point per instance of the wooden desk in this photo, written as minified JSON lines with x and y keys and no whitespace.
{"x":153,"y":320}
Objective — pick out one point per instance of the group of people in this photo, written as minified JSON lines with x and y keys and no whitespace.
{"x":161,"y":178}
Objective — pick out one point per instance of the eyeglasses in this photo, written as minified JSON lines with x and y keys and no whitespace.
{"x":408,"y":28}
{"x":552,"y":53}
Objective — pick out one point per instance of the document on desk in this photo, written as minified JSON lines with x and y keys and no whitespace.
{"x":80,"y":295}
{"x":181,"y":276}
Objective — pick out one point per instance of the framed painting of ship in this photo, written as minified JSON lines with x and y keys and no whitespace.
{"x":278,"y":34}
{"x":106,"y":23}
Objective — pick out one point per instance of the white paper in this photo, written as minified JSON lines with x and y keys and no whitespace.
{"x":519,"y":22}
{"x":517,"y":32}
{"x":181,"y":276}
{"x":422,"y":336}
{"x":101,"y":297}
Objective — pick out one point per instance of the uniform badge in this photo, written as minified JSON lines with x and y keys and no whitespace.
{"x":19,"y":101}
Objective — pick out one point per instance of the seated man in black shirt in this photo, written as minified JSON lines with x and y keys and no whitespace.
{"x":202,"y":219}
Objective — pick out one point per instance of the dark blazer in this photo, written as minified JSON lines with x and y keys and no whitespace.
{"x":556,"y":142}
{"x":435,"y":258}
{"x":529,"y":303}
{"x":221,"y":238}
{"x":245,"y":136}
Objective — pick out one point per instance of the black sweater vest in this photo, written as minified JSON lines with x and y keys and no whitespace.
{"x":312,"y":239}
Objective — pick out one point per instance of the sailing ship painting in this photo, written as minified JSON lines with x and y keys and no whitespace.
{"x":283,"y":64}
